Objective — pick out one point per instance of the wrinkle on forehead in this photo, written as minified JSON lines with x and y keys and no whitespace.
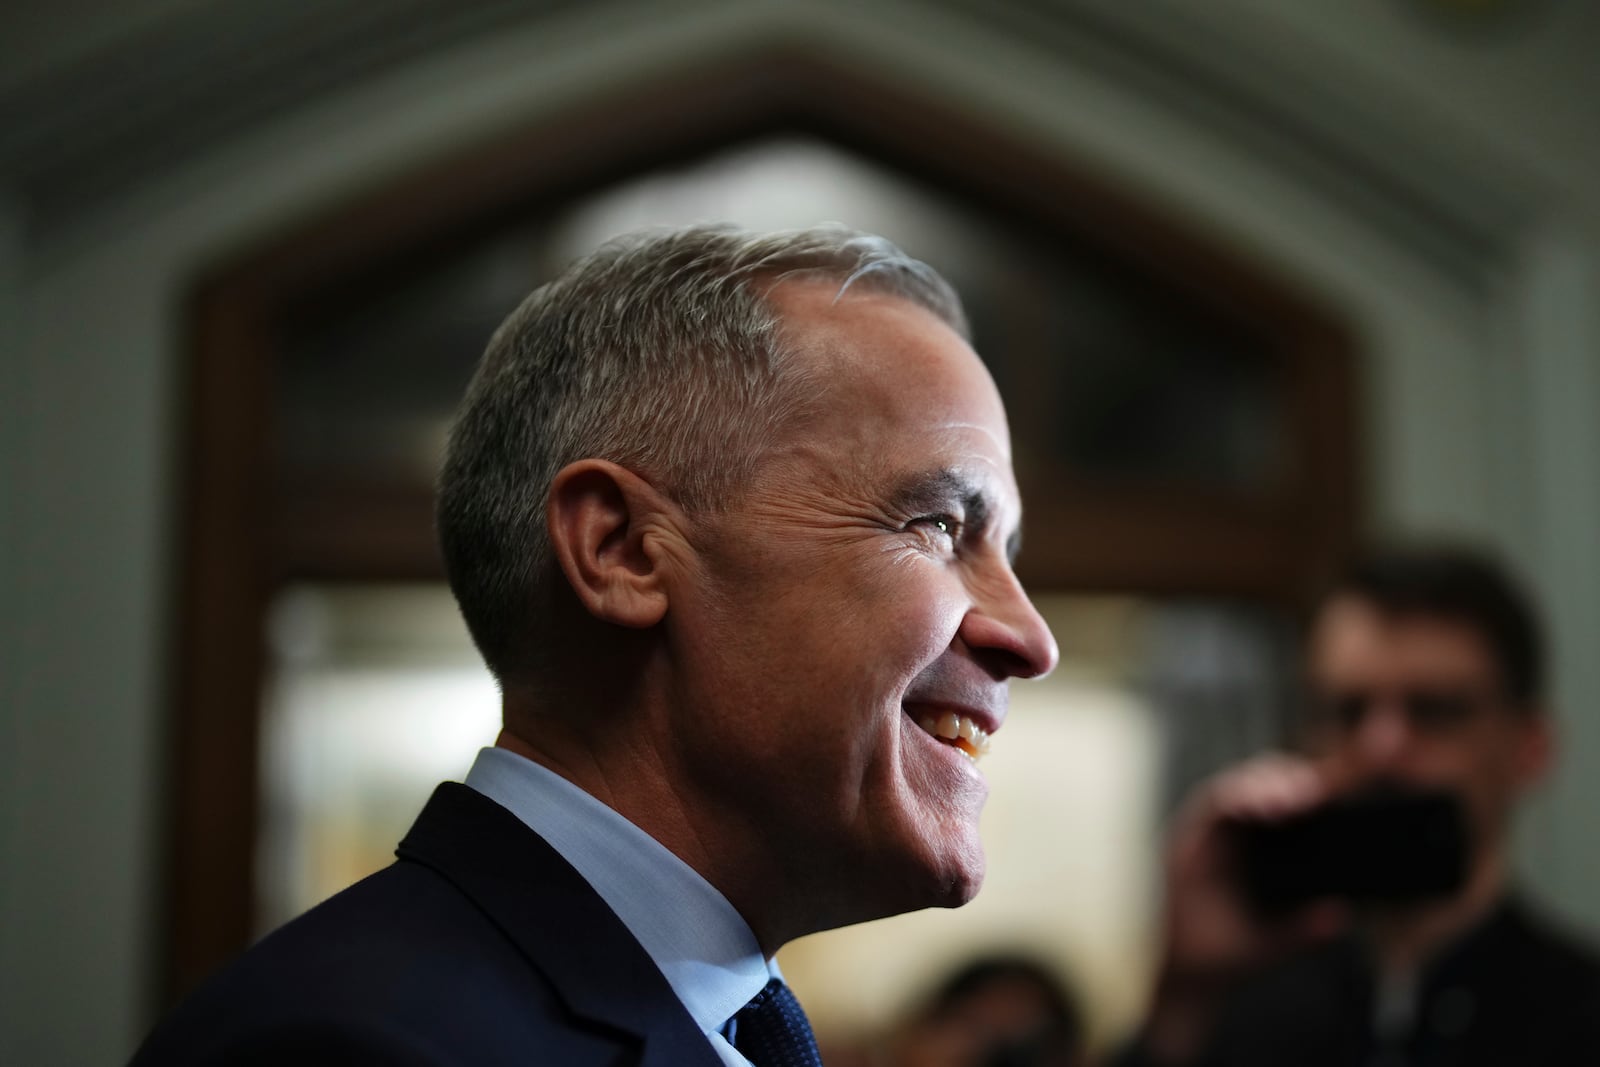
{"x":1000,"y":441}
{"x":838,"y":331}
{"x":893,"y":382}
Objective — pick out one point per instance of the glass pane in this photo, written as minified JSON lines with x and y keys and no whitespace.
{"x":375,"y":695}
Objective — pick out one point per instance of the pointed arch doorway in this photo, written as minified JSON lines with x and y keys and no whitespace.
{"x":1184,"y":423}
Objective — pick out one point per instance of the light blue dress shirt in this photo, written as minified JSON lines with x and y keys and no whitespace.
{"x":702,"y":945}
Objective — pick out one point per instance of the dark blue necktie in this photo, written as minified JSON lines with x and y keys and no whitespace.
{"x":772,"y":1031}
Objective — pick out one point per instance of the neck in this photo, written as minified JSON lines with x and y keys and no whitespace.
{"x":626,"y":761}
{"x":1405,"y":940}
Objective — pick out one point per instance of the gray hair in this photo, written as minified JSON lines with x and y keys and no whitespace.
{"x":659,"y":352}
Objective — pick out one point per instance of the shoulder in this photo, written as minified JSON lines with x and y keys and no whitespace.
{"x":1534,"y":943}
{"x":1538,"y":988}
{"x":396,"y":969}
{"x":1303,"y":1010}
{"x":308,"y":1041}
{"x":1553,"y":962}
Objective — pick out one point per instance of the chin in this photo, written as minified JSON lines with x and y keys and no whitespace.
{"x":921,"y":887}
{"x":960,"y":891}
{"x":958,"y":880}
{"x":916,"y":881}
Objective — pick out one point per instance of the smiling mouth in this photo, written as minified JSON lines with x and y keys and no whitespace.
{"x":957,"y":731}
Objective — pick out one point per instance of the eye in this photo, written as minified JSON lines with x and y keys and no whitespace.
{"x":1342,"y":711}
{"x":1439,"y":712}
{"x":944,"y":528}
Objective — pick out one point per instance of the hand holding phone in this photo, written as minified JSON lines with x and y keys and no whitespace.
{"x":1388,"y":843}
{"x":1266,"y":859}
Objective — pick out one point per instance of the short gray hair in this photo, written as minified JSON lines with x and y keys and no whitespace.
{"x":659,"y":352}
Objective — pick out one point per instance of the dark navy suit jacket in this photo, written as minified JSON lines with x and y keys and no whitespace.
{"x":480,"y":945}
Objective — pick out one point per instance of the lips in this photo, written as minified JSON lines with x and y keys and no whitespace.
{"x":959,"y":731}
{"x":956,"y":707}
{"x":964,"y":724}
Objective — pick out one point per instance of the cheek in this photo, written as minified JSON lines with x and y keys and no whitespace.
{"x":1501,"y":772}
{"x":923,"y":602}
{"x":869,"y":635}
{"x":1481,"y":768}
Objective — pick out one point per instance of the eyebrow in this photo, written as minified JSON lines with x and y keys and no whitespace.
{"x":936,"y":489}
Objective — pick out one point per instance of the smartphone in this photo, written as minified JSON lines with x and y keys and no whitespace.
{"x":1386,"y":843}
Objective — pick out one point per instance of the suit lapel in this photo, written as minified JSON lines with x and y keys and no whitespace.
{"x":558,"y":921}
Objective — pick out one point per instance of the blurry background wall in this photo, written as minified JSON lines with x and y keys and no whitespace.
{"x":1432,"y":176}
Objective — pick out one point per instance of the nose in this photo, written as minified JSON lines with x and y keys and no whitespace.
{"x":1006,"y":632}
{"x":1383,"y":737}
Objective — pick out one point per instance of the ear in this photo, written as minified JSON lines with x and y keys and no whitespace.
{"x":602,"y":521}
{"x":1536,"y":747}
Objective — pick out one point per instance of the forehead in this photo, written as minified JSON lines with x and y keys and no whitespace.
{"x":873,"y":352}
{"x":1355,"y":643}
{"x":895,"y":390}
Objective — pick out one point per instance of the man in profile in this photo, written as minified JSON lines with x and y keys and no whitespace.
{"x":731,"y":519}
{"x":1425,"y":671}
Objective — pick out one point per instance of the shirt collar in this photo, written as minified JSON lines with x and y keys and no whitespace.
{"x":703,"y":947}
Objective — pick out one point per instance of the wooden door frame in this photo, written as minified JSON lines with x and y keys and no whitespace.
{"x":240,"y":539}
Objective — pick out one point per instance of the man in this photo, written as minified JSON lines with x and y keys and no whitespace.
{"x":994,"y":1011}
{"x":731,"y":518}
{"x":1425,"y":670}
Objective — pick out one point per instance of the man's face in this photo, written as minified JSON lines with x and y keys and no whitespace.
{"x":862,"y":585}
{"x":1420,"y":699}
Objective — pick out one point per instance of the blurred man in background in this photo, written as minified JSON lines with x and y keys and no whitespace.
{"x":994,"y":1011}
{"x":731,"y":518}
{"x":1425,"y":672}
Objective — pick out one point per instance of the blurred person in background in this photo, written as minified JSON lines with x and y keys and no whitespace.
{"x":1425,"y":672}
{"x":731,"y":517}
{"x":997,"y":1011}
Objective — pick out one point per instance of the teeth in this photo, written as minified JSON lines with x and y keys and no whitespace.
{"x":966,"y":734}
